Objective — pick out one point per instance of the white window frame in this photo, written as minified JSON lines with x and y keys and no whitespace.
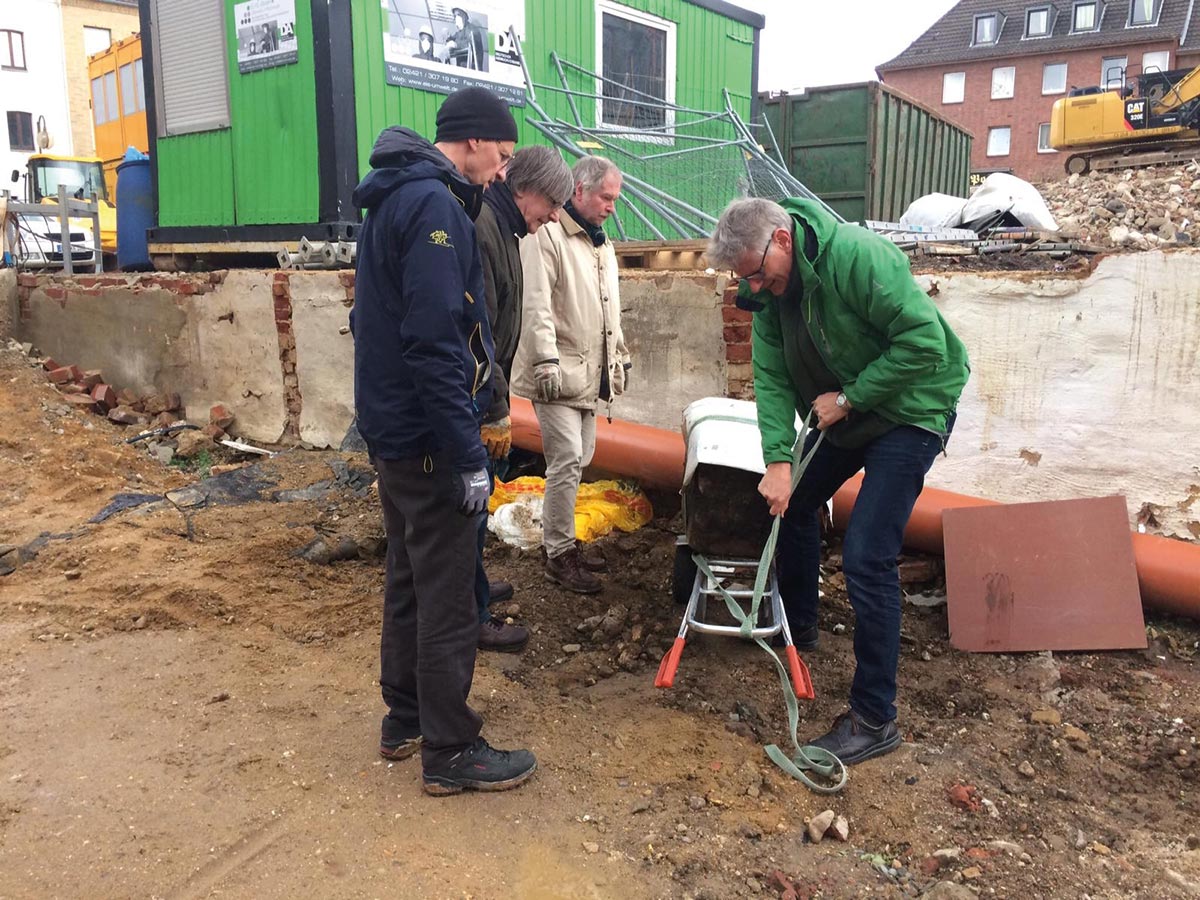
{"x":96,"y":29}
{"x":1129,"y":23}
{"x":962,"y":86}
{"x":1065,"y":71}
{"x":608,"y":7}
{"x":995,"y":131}
{"x":1012,"y":83}
{"x":1096,"y":13}
{"x":1049,"y":22}
{"x":1104,"y":67}
{"x":13,"y":40}
{"x":1146,"y":66}
{"x":997,"y":24}
{"x":1047,"y":148}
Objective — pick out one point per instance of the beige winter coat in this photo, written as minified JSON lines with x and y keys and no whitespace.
{"x":572,"y":313}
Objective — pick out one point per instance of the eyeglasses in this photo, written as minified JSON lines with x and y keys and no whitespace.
{"x":760,"y":272}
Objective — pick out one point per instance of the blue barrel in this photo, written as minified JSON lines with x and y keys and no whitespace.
{"x":135,"y":214}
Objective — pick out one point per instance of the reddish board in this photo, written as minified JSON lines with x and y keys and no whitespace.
{"x":1057,"y":575}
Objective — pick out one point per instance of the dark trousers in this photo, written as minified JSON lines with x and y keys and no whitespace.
{"x":483,"y":593}
{"x":895,"y":465}
{"x":430,"y":627}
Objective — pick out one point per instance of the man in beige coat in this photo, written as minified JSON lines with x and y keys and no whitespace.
{"x":571,"y":354}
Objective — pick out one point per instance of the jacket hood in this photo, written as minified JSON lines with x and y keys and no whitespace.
{"x":508,"y":214}
{"x":399,"y":156}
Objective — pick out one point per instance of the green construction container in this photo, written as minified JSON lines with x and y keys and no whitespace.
{"x":867,"y":149}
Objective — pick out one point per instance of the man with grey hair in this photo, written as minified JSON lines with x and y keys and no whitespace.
{"x":571,"y":355}
{"x":537,"y":183}
{"x":844,"y":334}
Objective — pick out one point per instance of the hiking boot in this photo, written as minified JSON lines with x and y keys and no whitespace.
{"x":806,"y":638}
{"x":569,"y":571}
{"x":499,"y":591}
{"x":480,"y":768}
{"x":402,"y":750}
{"x":592,"y":557}
{"x":853,"y":740}
{"x":496,"y":634}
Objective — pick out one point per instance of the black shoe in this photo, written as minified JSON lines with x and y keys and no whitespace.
{"x":403,"y":750}
{"x":496,"y":634}
{"x":499,"y":591}
{"x":853,"y":740}
{"x":802,"y":638}
{"x":480,"y":768}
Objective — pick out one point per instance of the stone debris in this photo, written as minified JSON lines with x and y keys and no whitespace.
{"x":1133,"y":209}
{"x":819,"y":824}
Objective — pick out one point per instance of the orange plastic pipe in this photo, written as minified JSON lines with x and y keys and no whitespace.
{"x":1168,"y":570}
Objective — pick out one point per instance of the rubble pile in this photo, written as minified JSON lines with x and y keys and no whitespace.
{"x":1134,"y":209}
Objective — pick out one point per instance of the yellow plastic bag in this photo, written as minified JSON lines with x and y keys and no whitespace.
{"x":600,"y":506}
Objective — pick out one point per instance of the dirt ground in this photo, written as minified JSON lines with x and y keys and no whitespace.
{"x":189,"y":709}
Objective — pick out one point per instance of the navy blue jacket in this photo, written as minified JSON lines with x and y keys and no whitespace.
{"x":422,"y":344}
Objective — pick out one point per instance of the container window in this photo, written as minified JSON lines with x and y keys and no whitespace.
{"x":1044,"y":139}
{"x":111,"y":109}
{"x":1004,"y":80}
{"x":99,"y":111}
{"x":96,"y":40}
{"x":1112,"y":72}
{"x":986,"y":29}
{"x":1144,"y":12}
{"x":128,"y":90}
{"x":20,"y":131}
{"x":1084,"y":18}
{"x":1037,"y":22}
{"x":141,"y":85}
{"x":998,"y":141}
{"x":1054,"y":78}
{"x":637,"y":51}
{"x":1158,"y":61}
{"x":12,"y":50}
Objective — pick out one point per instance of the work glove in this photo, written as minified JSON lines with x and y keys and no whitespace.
{"x":620,"y":381}
{"x":473,"y":490}
{"x":497,"y":437}
{"x":547,"y":375}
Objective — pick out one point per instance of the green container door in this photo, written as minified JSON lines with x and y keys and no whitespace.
{"x":867,"y":150}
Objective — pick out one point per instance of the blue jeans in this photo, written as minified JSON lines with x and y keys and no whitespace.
{"x":895,"y":465}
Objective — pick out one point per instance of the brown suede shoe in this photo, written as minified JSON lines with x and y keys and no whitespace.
{"x":496,"y":634}
{"x":569,"y":571}
{"x":591,"y":557}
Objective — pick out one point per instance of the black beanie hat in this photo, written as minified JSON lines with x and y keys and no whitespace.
{"x":475,"y":112}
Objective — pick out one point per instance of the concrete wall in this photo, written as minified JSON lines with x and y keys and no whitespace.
{"x":1081,"y":388}
{"x":8,"y":303}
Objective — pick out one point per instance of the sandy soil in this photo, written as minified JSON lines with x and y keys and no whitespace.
{"x":189,"y":710}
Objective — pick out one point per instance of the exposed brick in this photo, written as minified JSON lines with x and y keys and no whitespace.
{"x":740,"y":370}
{"x":105,"y":397}
{"x":25,"y":279}
{"x":281,"y":276}
{"x":737,"y":352}
{"x":55,"y":293}
{"x":91,"y":378}
{"x":220,"y":416}
{"x":81,"y":401}
{"x":731,"y":315}
{"x":737,"y":334}
{"x":63,"y":374}
{"x":128,"y":398}
{"x":279,"y":289}
{"x":213,"y":431}
{"x":346,"y":279}
{"x":49,"y":365}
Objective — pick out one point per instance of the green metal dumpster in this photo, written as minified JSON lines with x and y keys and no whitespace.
{"x":867,"y":149}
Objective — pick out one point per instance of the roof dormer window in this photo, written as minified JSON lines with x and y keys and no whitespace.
{"x":987,"y":29}
{"x":1144,"y":12}
{"x":1085,"y":17}
{"x":1037,"y":22}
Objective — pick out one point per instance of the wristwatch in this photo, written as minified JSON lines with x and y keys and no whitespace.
{"x":841,"y":400}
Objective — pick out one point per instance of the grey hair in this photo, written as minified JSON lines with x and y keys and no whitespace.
{"x":591,"y":171}
{"x":746,"y":224}
{"x":540,"y":170}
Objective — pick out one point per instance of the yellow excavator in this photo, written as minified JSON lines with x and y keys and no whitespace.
{"x":1153,"y":120}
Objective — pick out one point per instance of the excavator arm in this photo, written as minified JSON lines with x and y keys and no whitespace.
{"x":1179,"y":94}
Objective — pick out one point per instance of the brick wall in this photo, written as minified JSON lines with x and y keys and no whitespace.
{"x":122,"y":21}
{"x":739,"y":370}
{"x":1027,"y":109}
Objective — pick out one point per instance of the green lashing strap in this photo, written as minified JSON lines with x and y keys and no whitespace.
{"x":807,"y":759}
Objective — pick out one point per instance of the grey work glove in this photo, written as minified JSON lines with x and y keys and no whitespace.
{"x":474,"y":490}
{"x":547,"y":375}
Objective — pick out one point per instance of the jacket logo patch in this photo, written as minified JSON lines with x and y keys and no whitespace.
{"x":439,"y":238}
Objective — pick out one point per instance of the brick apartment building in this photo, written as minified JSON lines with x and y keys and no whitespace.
{"x":996,"y":67}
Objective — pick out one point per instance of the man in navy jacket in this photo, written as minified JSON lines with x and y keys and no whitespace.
{"x":422,"y":381}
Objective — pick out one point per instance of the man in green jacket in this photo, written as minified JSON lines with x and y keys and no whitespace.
{"x":844,"y":334}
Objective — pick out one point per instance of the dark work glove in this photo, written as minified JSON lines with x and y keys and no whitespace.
{"x":474,"y":490}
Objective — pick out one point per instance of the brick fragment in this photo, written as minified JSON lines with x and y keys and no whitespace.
{"x":737,"y":353}
{"x":62,"y":375}
{"x":49,"y":365}
{"x":81,"y":401}
{"x":105,"y":396}
{"x":220,"y":416}
{"x":214,"y":431}
{"x":91,"y":378}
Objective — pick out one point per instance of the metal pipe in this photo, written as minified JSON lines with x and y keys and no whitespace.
{"x":642,"y":217}
{"x":566,"y":88}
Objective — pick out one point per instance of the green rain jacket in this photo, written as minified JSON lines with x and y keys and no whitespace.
{"x":876,"y":330}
